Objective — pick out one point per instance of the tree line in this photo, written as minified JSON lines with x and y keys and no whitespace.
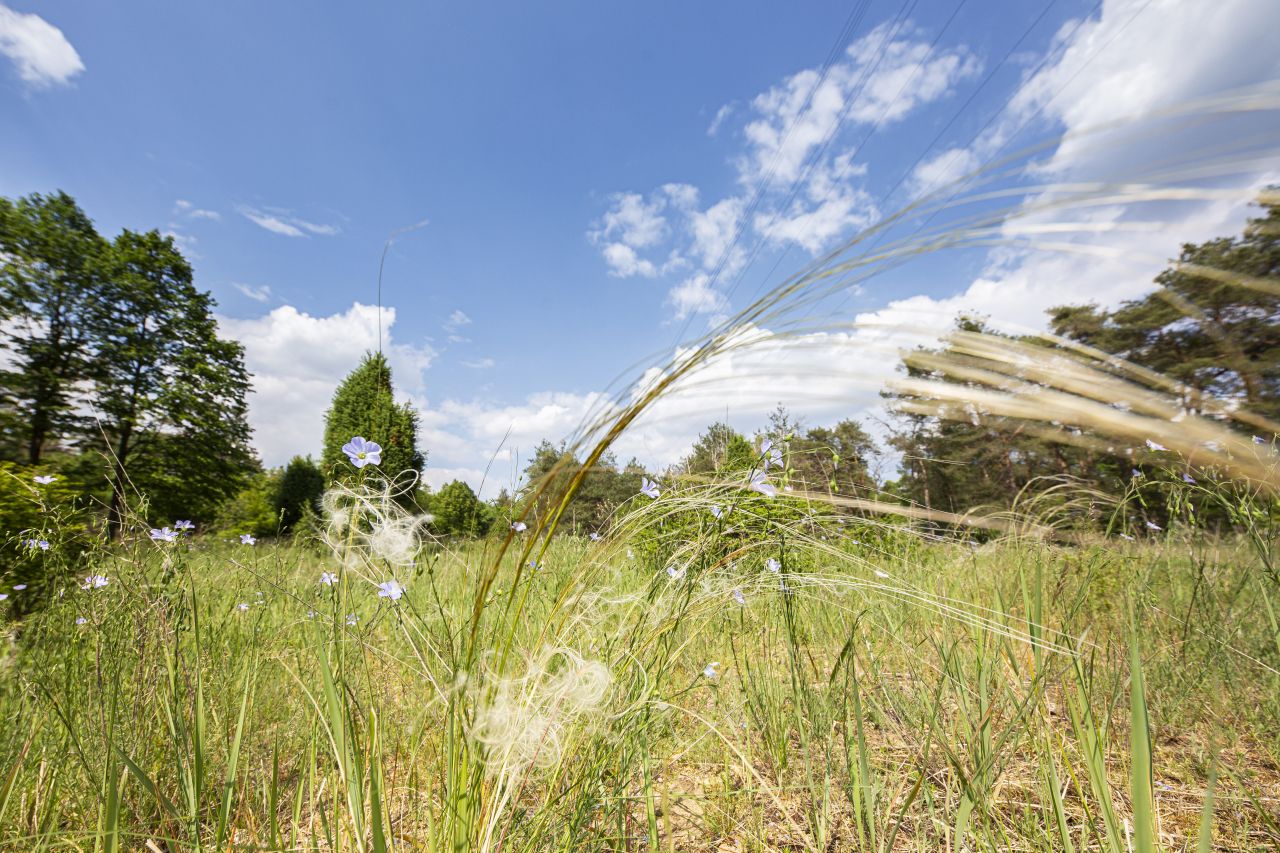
{"x":114,"y":375}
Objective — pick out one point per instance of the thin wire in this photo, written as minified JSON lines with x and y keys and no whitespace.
{"x":383,"y":262}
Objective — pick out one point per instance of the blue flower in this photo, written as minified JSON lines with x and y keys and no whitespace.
{"x":739,"y":597}
{"x":352,"y":619}
{"x":41,"y":544}
{"x":362,"y":452}
{"x":183,"y":524}
{"x":95,"y":582}
{"x":1187,"y":478}
{"x":519,"y":526}
{"x":44,"y":479}
{"x":717,"y":512}
{"x":247,"y":539}
{"x":19,"y":587}
{"x":163,"y":534}
{"x":593,"y":536}
{"x":1152,"y":445}
{"x":328,"y":578}
{"x":1151,"y":525}
{"x":242,"y":607}
{"x":649,"y":488}
{"x":758,"y":483}
{"x":771,"y":455}
{"x":710,"y":670}
{"x":390,"y":589}
{"x":773,"y":565}
{"x":674,"y":573}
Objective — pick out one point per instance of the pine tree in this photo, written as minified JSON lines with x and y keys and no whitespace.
{"x":364,"y":405}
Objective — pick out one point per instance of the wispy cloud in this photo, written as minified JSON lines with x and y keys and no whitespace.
{"x":279,"y":222}
{"x":38,"y":49}
{"x":456,"y":321}
{"x":257,"y":294}
{"x":182,"y":207}
{"x":479,"y":363}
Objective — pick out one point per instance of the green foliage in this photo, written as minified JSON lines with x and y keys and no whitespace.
{"x":364,"y":405}
{"x":170,"y":392}
{"x":119,"y":329}
{"x":834,"y":460}
{"x":719,"y":450}
{"x":253,"y":508}
{"x":456,"y":511}
{"x":51,"y":266}
{"x":300,"y":488}
{"x":601,"y":491}
{"x":42,"y":512}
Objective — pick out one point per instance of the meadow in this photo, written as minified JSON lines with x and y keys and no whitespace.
{"x":781,"y":677}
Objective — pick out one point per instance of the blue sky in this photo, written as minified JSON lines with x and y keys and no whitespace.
{"x":584,"y":170}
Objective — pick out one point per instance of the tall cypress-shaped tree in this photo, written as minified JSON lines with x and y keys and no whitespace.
{"x":364,"y":405}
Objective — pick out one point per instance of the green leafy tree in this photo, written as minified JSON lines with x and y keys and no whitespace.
{"x":457,"y":511}
{"x":300,"y":489}
{"x":50,"y":269}
{"x":252,"y":509}
{"x":824,"y":459}
{"x":719,"y":450}
{"x":170,"y":394}
{"x":601,"y":490}
{"x":365,"y":405}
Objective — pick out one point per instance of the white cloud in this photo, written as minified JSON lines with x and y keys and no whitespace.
{"x":1134,"y":60}
{"x":38,"y":49}
{"x":624,"y":262}
{"x":633,"y":220}
{"x":882,"y":80}
{"x":479,"y":363}
{"x":272,"y":223}
{"x":257,"y":294}
{"x":288,"y":226}
{"x":809,"y":186}
{"x":721,"y":115}
{"x":695,"y":295}
{"x":457,"y":320}
{"x":297,"y":360}
{"x":182,"y":207}
{"x":831,"y":206}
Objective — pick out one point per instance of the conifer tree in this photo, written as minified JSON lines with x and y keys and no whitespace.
{"x":364,"y":405}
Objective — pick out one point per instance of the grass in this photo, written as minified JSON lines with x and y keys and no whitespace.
{"x":883,"y":691}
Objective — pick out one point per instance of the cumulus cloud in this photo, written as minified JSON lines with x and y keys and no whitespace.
{"x":795,"y":171}
{"x":885,"y":76}
{"x":297,"y":360}
{"x":38,"y":49}
{"x":624,"y":262}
